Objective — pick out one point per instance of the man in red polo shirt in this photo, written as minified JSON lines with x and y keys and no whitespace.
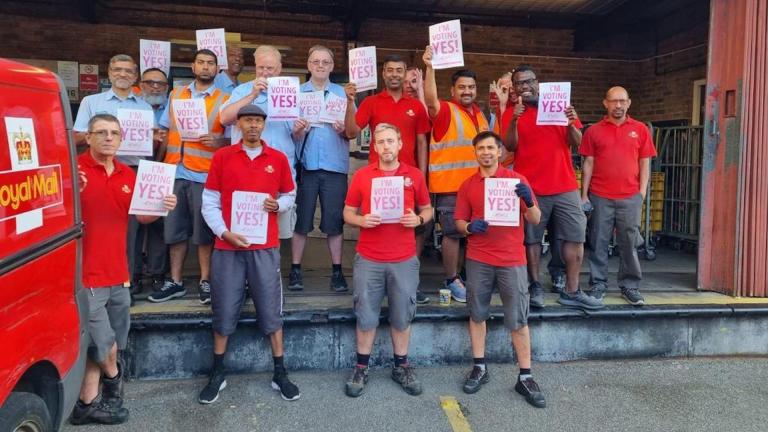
{"x":247,"y":185}
{"x":392,"y":105}
{"x":387,"y":200}
{"x":617,"y":159}
{"x":106,"y":187}
{"x":543,"y":155}
{"x":496,"y":257}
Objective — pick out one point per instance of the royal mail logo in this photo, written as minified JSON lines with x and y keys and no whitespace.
{"x":410,"y":113}
{"x":126,"y":189}
{"x":633,"y":134}
{"x":22,"y":191}
{"x":23,"y":143}
{"x":407,"y":182}
{"x":269,"y":169}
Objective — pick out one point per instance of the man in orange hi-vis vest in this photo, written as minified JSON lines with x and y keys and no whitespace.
{"x":451,"y":157}
{"x":191,"y":151}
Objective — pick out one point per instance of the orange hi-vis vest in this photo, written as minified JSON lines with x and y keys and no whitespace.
{"x":193,"y":154}
{"x":452,"y":159}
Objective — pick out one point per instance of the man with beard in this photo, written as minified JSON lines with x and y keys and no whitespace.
{"x":392,"y":106}
{"x":386,"y":262}
{"x":154,"y":91}
{"x":122,"y":73}
{"x":277,"y":134}
{"x":451,"y":158}
{"x":323,"y":154}
{"x":244,"y":169}
{"x":617,"y":155}
{"x":496,"y":258}
{"x":543,"y":156}
{"x":193,"y":160}
{"x":226,"y":79}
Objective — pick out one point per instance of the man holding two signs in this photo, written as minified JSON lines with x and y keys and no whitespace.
{"x":387,"y":200}
{"x":247,"y":185}
{"x":488,"y":212}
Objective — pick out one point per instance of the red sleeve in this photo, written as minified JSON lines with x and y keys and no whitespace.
{"x":578,"y":124}
{"x":586,"y":148}
{"x":286,"y":179}
{"x":463,"y":210}
{"x":647,"y":149}
{"x":354,"y":195}
{"x":422,"y":193}
{"x":363,"y":114}
{"x":442,"y":121}
{"x":212,"y":182}
{"x":422,"y":118}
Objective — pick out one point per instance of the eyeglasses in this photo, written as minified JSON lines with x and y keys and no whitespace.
{"x":153,"y":83}
{"x":528,"y":82}
{"x":122,"y":70}
{"x":103,"y":133}
{"x":319,"y":62}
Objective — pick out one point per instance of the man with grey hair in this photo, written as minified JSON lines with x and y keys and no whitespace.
{"x":122,"y":73}
{"x":386,"y":263}
{"x":278,"y":135}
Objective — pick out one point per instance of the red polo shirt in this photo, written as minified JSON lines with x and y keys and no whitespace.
{"x":407,"y":113}
{"x":104,"y":203}
{"x":442,"y":121}
{"x":617,"y":150}
{"x":500,"y":245}
{"x":232,"y":170}
{"x":387,"y":242}
{"x":544,"y":156}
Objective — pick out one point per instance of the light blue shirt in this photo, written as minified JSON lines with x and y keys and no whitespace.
{"x":326,"y":149}
{"x":277,"y":134}
{"x":108,"y":103}
{"x":181,"y":171}
{"x":223,"y":82}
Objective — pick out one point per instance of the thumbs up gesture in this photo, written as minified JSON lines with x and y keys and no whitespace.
{"x":519,"y":107}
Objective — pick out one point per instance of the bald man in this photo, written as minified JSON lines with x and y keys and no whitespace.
{"x":617,"y":155}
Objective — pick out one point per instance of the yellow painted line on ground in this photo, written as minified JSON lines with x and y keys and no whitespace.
{"x":456,"y":418}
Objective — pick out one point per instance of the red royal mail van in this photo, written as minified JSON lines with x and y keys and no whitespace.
{"x":43,"y":308}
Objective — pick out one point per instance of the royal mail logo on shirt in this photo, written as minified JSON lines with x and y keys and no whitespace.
{"x":410,"y":113}
{"x":269,"y":169}
{"x":633,"y":134}
{"x":407,"y":182}
{"x":126,"y":189}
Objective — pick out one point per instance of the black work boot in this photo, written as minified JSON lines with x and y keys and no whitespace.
{"x":97,"y":412}
{"x":112,"y":388}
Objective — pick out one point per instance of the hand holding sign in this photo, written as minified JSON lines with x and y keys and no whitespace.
{"x":371,"y":221}
{"x":427,"y":57}
{"x":153,"y":191}
{"x":235,"y":240}
{"x":410,"y":219}
{"x":570,"y":112}
{"x":350,"y":89}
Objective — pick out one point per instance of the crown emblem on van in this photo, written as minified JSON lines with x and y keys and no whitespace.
{"x":23,"y":144}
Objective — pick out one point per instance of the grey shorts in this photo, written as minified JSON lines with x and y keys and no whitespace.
{"x":109,"y":319}
{"x":229,"y":270}
{"x":186,"y":221}
{"x":374,"y":280}
{"x":565,"y":213}
{"x":445,"y":204}
{"x":331,"y":188}
{"x":512,"y":283}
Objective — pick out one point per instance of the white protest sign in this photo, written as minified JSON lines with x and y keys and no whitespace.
{"x":311,"y":104}
{"x":154,"y":180}
{"x":362,"y":68}
{"x":136,"y":126}
{"x":553,"y":99}
{"x":248,"y":217}
{"x":447,"y":50}
{"x":155,"y":54}
{"x":191,"y":119}
{"x":501,"y":203}
{"x":388,"y":198}
{"x":282,"y":98}
{"x":213,"y":39}
{"x":334,"y":110}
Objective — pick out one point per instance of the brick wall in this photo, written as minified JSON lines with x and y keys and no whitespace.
{"x":661,"y":88}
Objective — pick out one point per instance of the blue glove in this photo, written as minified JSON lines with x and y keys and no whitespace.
{"x":524,"y":192}
{"x":477,"y":226}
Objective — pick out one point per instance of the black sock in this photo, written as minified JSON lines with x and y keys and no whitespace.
{"x":479,"y":361}
{"x":278,"y":362}
{"x":218,"y":361}
{"x":401,"y":360}
{"x":296,"y":266}
{"x":524,"y":373}
{"x":336,"y":268}
{"x":363,"y":360}
{"x":83,"y":404}
{"x":451,"y":279}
